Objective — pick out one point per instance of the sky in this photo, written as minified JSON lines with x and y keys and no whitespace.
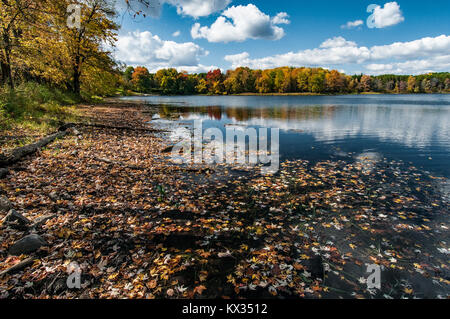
{"x":352,"y":36}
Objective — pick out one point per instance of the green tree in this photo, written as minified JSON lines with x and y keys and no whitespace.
{"x":317,"y":82}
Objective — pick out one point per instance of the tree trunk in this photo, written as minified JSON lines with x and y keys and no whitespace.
{"x":5,"y":65}
{"x":76,"y":87}
{"x":6,"y":62}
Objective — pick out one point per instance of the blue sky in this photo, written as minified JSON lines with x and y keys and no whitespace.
{"x":404,"y":37}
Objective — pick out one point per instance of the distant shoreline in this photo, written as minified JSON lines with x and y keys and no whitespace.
{"x":280,"y":94}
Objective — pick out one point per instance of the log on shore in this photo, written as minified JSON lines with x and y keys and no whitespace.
{"x":20,"y":152}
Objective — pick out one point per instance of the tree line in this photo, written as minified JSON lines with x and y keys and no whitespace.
{"x":279,"y":80}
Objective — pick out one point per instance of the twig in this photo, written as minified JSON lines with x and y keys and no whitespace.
{"x":23,"y":264}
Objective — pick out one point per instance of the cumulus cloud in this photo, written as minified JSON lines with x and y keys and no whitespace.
{"x":146,"y":49}
{"x":198,"y":8}
{"x":193,"y":8}
{"x":339,"y":51}
{"x":176,"y":33}
{"x":239,"y":23}
{"x":352,"y":24}
{"x":413,"y":67}
{"x":281,"y":18}
{"x":387,"y":16}
{"x":421,"y":47}
{"x":236,"y":59}
{"x":337,"y":42}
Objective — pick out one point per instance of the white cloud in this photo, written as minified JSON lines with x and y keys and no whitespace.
{"x":352,"y":24}
{"x":388,"y":15}
{"x":146,"y":49}
{"x":236,"y":59}
{"x":193,"y":8}
{"x":176,"y":33}
{"x":339,"y":51}
{"x":332,"y":51}
{"x":413,"y":49}
{"x":281,"y":18}
{"x":198,"y":8}
{"x":198,"y":69}
{"x":337,"y":42}
{"x":239,"y":23}
{"x":437,"y":64}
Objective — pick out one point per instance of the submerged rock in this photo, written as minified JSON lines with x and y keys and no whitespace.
{"x":315,"y":266}
{"x":27,"y":245}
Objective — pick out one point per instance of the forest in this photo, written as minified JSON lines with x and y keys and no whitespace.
{"x":278,"y":81}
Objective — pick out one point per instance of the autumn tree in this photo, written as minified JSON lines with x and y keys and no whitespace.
{"x":335,"y":82}
{"x":202,"y":86}
{"x":366,"y":83}
{"x":141,"y":79}
{"x":265,"y":82}
{"x":317,"y":81}
{"x":239,"y":81}
{"x":167,"y":80}
{"x":412,"y":84}
{"x":214,"y":80}
{"x":16,"y":16}
{"x":303,"y":80}
{"x":84,"y":45}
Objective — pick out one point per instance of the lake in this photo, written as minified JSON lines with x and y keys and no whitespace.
{"x":364,"y":178}
{"x":414,"y":129}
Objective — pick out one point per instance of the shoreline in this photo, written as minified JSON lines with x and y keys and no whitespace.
{"x":140,"y":227}
{"x":281,"y":94}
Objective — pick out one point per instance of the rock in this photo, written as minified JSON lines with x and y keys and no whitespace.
{"x":315,"y":266}
{"x":14,"y":217}
{"x":42,"y":220}
{"x":3,"y":172}
{"x":53,"y":196}
{"x":74,"y":131}
{"x":5,"y":204}
{"x":27,"y":245}
{"x":167,"y":149}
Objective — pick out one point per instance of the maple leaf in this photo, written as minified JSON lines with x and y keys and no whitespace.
{"x":199,"y":289}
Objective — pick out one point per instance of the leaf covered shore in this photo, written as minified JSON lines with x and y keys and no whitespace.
{"x":141,"y":227}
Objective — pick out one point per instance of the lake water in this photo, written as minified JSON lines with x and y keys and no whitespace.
{"x":398,"y":131}
{"x":414,"y":129}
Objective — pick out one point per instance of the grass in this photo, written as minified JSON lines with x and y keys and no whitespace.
{"x":31,"y":111}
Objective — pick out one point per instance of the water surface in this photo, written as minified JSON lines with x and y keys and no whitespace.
{"x":414,"y":129}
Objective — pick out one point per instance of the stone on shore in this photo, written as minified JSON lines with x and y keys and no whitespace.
{"x":3,"y":172}
{"x":5,"y":204}
{"x":27,"y":245}
{"x":14,"y":217}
